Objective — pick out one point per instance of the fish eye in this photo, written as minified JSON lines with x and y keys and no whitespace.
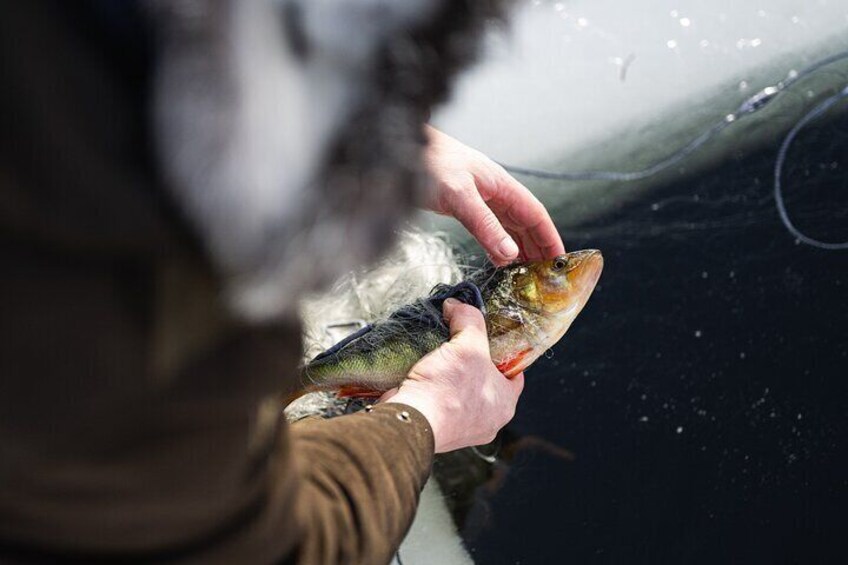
{"x":559,"y":263}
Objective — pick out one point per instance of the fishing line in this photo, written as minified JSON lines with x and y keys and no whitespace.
{"x":620,"y":176}
{"x":753,"y":104}
{"x":823,"y":107}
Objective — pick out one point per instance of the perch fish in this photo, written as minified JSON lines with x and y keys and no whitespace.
{"x":527,"y":306}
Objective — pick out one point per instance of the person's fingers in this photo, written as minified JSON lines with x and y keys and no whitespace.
{"x":529,"y":250}
{"x":519,"y":210}
{"x":471,"y":210}
{"x":500,"y":212}
{"x":465,"y":320}
{"x":547,"y":239}
{"x":542,"y":233}
{"x":516,"y":236}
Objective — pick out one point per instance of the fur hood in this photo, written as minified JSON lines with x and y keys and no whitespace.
{"x":290,"y":131}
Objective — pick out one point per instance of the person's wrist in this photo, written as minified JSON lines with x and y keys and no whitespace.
{"x":427,"y":408}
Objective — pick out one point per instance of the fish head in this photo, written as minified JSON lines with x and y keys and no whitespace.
{"x":558,"y":286}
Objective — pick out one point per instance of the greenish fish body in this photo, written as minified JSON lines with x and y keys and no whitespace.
{"x":528,"y":307}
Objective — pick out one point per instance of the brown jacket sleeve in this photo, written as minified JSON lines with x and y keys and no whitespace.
{"x":359,"y":481}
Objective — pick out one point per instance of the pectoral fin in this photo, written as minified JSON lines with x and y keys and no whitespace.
{"x":512,"y":366}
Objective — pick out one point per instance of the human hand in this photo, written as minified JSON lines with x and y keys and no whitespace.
{"x":500,"y":212}
{"x":457,"y":387}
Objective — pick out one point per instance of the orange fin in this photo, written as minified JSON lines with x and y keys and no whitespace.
{"x":510,"y":367}
{"x":358,"y":391}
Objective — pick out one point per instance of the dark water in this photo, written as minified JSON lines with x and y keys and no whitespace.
{"x":704,"y":390}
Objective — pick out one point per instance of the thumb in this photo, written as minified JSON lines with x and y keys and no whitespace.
{"x":464,"y":319}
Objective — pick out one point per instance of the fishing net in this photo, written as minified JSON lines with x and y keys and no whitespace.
{"x":418,"y":264}
{"x":425,"y":314}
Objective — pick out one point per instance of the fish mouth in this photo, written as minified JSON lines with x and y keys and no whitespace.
{"x":584,"y":270}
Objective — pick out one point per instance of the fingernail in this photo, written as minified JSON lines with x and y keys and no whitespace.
{"x":507,"y":248}
{"x":451,"y":302}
